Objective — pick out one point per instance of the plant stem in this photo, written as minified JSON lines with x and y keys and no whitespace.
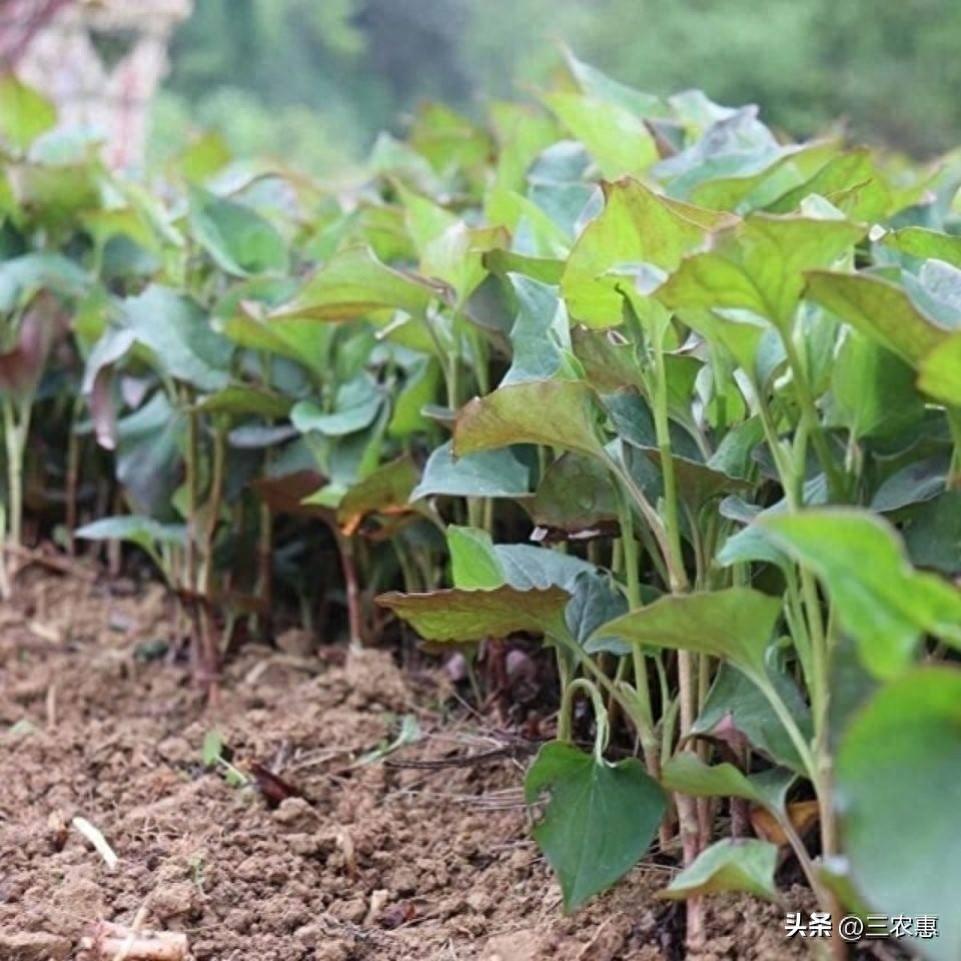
{"x":690,"y":823}
{"x":73,"y":475}
{"x":954,"y":424}
{"x":809,"y":416}
{"x":16,"y":427}
{"x":814,"y":649}
{"x":629,"y":551}
{"x":348,"y":563}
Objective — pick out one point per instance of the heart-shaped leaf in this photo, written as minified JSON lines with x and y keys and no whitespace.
{"x":637,"y":226}
{"x":759,"y":265}
{"x":556,"y":413}
{"x":599,"y":819}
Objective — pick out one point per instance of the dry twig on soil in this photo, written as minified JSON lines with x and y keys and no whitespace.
{"x":114,"y":942}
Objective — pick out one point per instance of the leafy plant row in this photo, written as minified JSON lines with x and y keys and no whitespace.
{"x":632,"y":375}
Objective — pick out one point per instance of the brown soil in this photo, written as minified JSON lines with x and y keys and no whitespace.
{"x":375,"y":862}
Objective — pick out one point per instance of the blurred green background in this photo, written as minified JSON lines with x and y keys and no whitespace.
{"x":314,"y":80}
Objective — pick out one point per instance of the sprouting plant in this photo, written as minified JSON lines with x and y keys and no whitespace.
{"x":212,"y":755}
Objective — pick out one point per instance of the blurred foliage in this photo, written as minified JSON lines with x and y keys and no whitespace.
{"x":315,"y":81}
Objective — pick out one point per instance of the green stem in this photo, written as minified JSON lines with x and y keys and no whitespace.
{"x":790,"y":726}
{"x":16,"y":428}
{"x":601,"y":725}
{"x":809,"y":415}
{"x":641,"y":679}
{"x":650,"y":515}
{"x":564,"y":678}
{"x":954,"y":424}
{"x":665,"y":449}
{"x":815,"y":660}
{"x":214,"y":503}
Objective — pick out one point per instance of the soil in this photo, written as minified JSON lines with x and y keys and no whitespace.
{"x":373,"y":861}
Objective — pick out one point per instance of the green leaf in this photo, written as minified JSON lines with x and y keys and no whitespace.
{"x":449,"y":250}
{"x":599,"y":820}
{"x":21,"y":278}
{"x":878,"y":309}
{"x":688,"y":774}
{"x":898,"y":770}
{"x":409,"y":733}
{"x":607,"y":359}
{"x":297,"y":338}
{"x":179,"y":334}
{"x":546,"y":270}
{"x":917,"y":481}
{"x":738,"y":164}
{"x":752,"y":544}
{"x":56,"y":194}
{"x":385,"y":491}
{"x":940,"y":371}
{"x":872,"y":389}
{"x":880,"y":599}
{"x":933,"y":534}
{"x":729,"y":865}
{"x":595,"y":601}
{"x":239,"y":240}
{"x":540,"y":336}
{"x":925,"y":244}
{"x":243,"y":399}
{"x":133,"y":528}
{"x":148,"y":458}
{"x":24,"y":113}
{"x":490,"y":473}
{"x":636,"y":226}
{"x":420,"y":389}
{"x":129,"y":223}
{"x":733,"y":624}
{"x":759,"y":265}
{"x":594,"y":83}
{"x":556,"y":413}
{"x":850,"y":181}
{"x":736,"y":710}
{"x":616,"y":138}
{"x":203,"y":156}
{"x":755,"y":190}
{"x":734,"y":456}
{"x":356,"y":406}
{"x":460,"y":615}
{"x":212,"y":748}
{"x":526,"y":566}
{"x":355,"y":283}
{"x":936,"y":290}
{"x":473,"y":559}
{"x":575,"y":494}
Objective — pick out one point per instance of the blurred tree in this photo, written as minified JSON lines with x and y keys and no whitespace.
{"x":316,"y":80}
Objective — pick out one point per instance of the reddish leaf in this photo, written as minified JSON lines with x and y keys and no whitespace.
{"x":43,"y":323}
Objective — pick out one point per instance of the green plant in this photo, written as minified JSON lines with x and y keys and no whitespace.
{"x":631,"y":375}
